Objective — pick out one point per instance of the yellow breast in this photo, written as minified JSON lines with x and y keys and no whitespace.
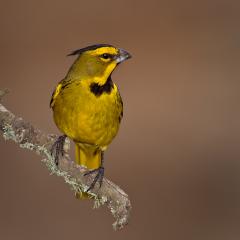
{"x":85,"y":117}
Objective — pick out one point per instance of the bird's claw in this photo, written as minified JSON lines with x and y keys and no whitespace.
{"x":97,"y":178}
{"x":58,"y":148}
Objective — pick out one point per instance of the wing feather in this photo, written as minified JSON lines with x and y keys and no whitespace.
{"x":55,"y":94}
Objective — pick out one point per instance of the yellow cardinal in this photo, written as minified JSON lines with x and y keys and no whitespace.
{"x":87,"y":106}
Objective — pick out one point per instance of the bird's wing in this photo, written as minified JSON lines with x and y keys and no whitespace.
{"x":121,"y":106}
{"x":55,"y":94}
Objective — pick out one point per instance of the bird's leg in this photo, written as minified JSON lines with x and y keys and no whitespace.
{"x":57,"y":148}
{"x":99,"y":176}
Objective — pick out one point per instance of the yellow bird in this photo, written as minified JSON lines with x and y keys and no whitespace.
{"x":87,"y":106}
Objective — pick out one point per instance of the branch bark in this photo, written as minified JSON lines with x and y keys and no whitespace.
{"x":27,"y":136}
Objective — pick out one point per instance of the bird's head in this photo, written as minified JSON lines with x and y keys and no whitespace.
{"x":97,"y":62}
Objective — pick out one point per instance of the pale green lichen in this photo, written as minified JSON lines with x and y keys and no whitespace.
{"x":119,"y":224}
{"x":9,"y":133}
{"x":99,"y":202}
{"x":74,"y":184}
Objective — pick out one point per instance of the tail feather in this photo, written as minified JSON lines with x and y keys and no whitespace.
{"x":88,"y":156}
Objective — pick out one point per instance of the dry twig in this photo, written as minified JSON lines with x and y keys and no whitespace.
{"x":26,"y":136}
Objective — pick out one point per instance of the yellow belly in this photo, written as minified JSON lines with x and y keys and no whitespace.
{"x":87,"y":118}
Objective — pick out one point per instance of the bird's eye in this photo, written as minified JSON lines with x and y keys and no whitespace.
{"x":106,"y":56}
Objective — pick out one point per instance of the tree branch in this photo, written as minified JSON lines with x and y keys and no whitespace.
{"x":26,"y":136}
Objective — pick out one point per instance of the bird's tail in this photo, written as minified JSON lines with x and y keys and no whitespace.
{"x":89,"y":157}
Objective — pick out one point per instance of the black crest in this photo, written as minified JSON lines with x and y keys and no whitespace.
{"x":92,"y":47}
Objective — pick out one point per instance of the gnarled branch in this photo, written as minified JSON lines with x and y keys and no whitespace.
{"x":26,"y":136}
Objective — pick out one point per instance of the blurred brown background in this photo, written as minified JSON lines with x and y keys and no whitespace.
{"x":177,"y":152}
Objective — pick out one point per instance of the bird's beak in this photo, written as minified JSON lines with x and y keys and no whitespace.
{"x":122,"y":56}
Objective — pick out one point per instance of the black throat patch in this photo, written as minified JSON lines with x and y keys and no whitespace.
{"x":98,"y":90}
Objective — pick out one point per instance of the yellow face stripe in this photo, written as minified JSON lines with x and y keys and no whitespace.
{"x":102,"y":50}
{"x":102,"y":79}
{"x":109,"y":68}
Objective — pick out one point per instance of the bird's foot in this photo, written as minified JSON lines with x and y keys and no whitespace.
{"x":98,"y":177}
{"x":58,"y":148}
